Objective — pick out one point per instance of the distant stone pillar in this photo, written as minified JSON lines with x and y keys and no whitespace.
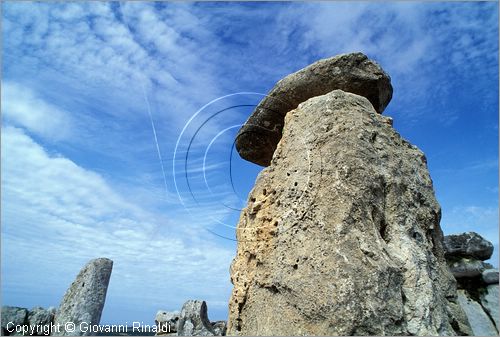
{"x":84,"y":300}
{"x":193,"y":320}
{"x":341,"y":232}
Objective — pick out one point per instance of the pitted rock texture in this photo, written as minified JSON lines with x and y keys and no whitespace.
{"x":84,"y":300}
{"x":341,"y":233}
{"x":257,"y":139}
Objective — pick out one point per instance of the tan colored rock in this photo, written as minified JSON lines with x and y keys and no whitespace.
{"x":341,"y":232}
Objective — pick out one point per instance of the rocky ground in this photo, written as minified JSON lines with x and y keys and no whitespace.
{"x":477,"y":282}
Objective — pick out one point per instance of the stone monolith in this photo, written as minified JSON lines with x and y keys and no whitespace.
{"x":193,"y":320}
{"x":341,"y":233}
{"x":84,"y":300}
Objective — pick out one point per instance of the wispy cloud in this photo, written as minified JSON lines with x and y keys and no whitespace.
{"x":80,"y":173}
{"x":21,"y":106}
{"x":475,"y":166}
{"x":410,"y":40}
{"x":94,"y":46}
{"x":72,"y":214}
{"x":474,"y":218}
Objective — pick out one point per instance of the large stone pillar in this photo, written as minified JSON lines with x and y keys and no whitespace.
{"x":341,"y":232}
{"x":81,"y":306}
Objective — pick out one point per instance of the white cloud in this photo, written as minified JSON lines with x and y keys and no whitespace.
{"x":473,"y":167}
{"x":71,"y":214}
{"x":481,"y":219}
{"x":86,"y":42}
{"x":403,"y":36}
{"x":410,"y":41}
{"x":103,"y":58}
{"x":100,"y":56}
{"x":473,"y":218}
{"x":21,"y":106}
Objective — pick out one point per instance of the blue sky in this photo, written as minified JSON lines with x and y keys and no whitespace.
{"x":81,"y":170}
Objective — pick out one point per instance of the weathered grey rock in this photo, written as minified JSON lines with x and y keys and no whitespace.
{"x":458,"y":319}
{"x":166,"y":321}
{"x":464,"y":267}
{"x":188,"y":329}
{"x":12,"y":317}
{"x":219,"y":327}
{"x":479,"y":321}
{"x":490,"y":276}
{"x":257,"y":139}
{"x":341,"y":232}
{"x":194,"y":320}
{"x":84,"y":300}
{"x":490,"y":303}
{"x":40,"y":321}
{"x":468,"y":244}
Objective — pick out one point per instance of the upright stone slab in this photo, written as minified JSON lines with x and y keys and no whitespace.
{"x":341,"y":233}
{"x":194,"y":321}
{"x":84,"y":300}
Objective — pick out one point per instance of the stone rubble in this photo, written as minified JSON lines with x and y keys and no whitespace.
{"x":191,"y":321}
{"x":17,"y":316}
{"x":167,"y":321}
